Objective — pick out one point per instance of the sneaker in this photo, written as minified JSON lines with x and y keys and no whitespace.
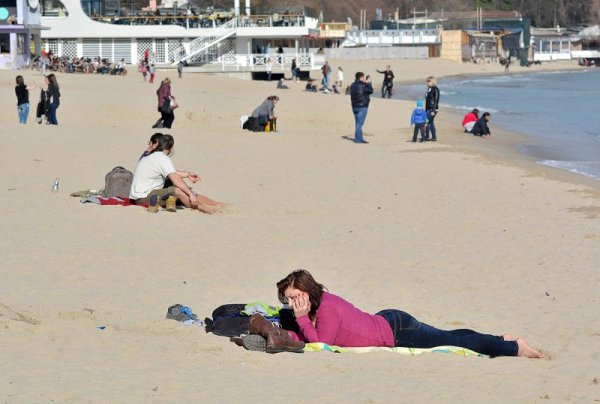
{"x":171,"y":204}
{"x":153,"y":207}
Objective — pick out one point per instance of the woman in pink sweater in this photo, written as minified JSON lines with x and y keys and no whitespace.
{"x":325,"y":317}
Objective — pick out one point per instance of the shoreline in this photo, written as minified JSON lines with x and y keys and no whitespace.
{"x":509,"y":149}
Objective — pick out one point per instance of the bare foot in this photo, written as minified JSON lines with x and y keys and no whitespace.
{"x":526,"y":351}
{"x":508,"y":337}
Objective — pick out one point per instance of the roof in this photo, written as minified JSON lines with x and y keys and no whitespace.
{"x":486,"y":14}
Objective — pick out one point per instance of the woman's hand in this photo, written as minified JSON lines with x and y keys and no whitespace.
{"x":301,"y":305}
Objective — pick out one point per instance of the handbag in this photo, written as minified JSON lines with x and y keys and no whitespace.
{"x":173,"y":104}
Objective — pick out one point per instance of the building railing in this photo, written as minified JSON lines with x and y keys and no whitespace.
{"x":259,"y":61}
{"x":200,"y":21}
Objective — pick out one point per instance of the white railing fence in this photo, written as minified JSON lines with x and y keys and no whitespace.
{"x":202,"y":43}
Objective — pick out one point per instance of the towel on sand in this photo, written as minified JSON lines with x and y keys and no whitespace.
{"x":320,"y":346}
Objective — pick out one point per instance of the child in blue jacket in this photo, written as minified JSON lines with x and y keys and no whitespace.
{"x":419,"y":119}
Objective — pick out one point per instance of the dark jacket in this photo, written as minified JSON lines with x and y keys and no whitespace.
{"x":360,"y":94}
{"x":481,"y":127}
{"x":432,"y":98}
{"x":388,"y":76}
{"x":54,"y":95}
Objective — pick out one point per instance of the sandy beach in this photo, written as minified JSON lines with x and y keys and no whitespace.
{"x":464,"y":233}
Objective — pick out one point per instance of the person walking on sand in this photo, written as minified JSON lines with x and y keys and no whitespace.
{"x":180,"y":68}
{"x":321,"y":316}
{"x":388,"y":82}
{"x":22,"y":93}
{"x":53,"y":98}
{"x":432,"y":99}
{"x":360,"y":97}
{"x":340,"y":77}
{"x":164,"y":103}
{"x":326,"y":70}
{"x":152,"y":71}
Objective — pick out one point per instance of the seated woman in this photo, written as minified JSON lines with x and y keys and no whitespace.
{"x":324,"y":317}
{"x":154,"y":169}
{"x":481,"y":127}
{"x":469,"y":120}
{"x":265,"y":113}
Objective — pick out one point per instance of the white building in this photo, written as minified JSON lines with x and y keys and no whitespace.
{"x":176,"y":34}
{"x":19,"y":27}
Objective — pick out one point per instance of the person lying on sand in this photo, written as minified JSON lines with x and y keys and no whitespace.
{"x":151,"y":173}
{"x":324,"y":317}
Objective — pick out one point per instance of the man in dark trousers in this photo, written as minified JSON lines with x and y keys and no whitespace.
{"x":388,"y":82}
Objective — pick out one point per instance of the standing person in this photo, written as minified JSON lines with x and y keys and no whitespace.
{"x":432,"y":99}
{"x":326,"y":70}
{"x":294,"y":70}
{"x":53,"y":98}
{"x":144,"y":70}
{"x":180,"y":68}
{"x":324,"y":317}
{"x":388,"y":82}
{"x":340,"y":77}
{"x":419,"y":119}
{"x":360,"y":96}
{"x":269,"y":65}
{"x":152,"y":71}
{"x":164,"y":103}
{"x":22,"y":93}
{"x":481,"y":127}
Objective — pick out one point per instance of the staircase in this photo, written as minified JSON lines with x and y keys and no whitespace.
{"x":203,"y":43}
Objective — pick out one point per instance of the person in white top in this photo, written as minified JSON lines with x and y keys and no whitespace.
{"x":340,"y":77}
{"x":154,"y":169}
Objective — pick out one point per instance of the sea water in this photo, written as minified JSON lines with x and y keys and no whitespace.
{"x":559,"y":111}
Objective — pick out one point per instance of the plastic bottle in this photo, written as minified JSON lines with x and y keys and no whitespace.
{"x":55,"y":186}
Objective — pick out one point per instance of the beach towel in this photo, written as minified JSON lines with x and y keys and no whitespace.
{"x":321,"y":346}
{"x":100,"y":200}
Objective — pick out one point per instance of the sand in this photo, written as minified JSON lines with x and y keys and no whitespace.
{"x":462,"y":233}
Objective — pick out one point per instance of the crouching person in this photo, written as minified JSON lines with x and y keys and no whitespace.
{"x":148,"y":185}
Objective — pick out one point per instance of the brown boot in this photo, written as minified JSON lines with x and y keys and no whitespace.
{"x":278,"y":339}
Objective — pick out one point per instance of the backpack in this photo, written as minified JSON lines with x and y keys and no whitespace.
{"x":117,"y":183}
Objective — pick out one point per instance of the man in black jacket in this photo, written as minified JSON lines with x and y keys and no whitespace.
{"x":388,"y":82}
{"x":360,"y":96}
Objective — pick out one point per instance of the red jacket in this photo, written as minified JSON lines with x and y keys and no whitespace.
{"x":470,"y":117}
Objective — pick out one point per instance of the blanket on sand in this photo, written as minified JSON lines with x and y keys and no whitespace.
{"x":320,"y":346}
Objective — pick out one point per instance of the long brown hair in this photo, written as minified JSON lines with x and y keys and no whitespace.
{"x":302,"y":280}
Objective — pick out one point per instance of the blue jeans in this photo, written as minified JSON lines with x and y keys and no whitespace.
{"x":431,"y":126}
{"x":23,"y":112}
{"x":52,"y":114}
{"x":411,"y":333}
{"x":360,"y":114}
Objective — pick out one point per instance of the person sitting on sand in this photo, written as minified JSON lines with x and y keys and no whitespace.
{"x":469,"y":120}
{"x":281,"y":84}
{"x":481,"y":127}
{"x":324,"y":317}
{"x":311,"y":86}
{"x":148,"y":185}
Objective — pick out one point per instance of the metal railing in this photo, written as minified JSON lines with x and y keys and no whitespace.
{"x":259,"y":61}
{"x":202,"y":43}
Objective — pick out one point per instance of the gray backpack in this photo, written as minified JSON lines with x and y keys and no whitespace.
{"x":118,"y":183}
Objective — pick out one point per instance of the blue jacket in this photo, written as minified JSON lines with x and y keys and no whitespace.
{"x":360,"y":94}
{"x":418,"y":117}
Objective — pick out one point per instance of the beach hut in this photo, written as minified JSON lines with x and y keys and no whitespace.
{"x":20,"y":31}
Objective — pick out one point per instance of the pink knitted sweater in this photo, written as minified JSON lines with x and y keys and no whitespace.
{"x":339,"y":323}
